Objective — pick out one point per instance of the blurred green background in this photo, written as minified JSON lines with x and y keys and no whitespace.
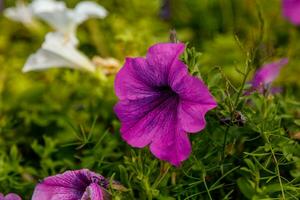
{"x":62,"y":119}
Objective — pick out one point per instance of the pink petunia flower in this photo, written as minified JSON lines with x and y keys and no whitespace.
{"x":10,"y":196}
{"x":266,"y":75}
{"x":72,"y":185}
{"x":159,"y":102}
{"x":291,"y":10}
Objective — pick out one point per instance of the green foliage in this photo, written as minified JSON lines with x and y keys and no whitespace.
{"x":61,"y":119}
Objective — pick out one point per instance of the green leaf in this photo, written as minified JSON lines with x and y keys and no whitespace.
{"x":246,"y":188}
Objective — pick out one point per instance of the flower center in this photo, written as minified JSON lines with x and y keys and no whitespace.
{"x":166,"y":90}
{"x":100,"y":181}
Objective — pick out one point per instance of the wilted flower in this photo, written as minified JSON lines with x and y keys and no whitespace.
{"x":58,"y":51}
{"x":291,"y":10}
{"x":73,"y":185}
{"x":109,"y":66}
{"x":10,"y":196}
{"x":160,"y":102}
{"x":266,"y":75}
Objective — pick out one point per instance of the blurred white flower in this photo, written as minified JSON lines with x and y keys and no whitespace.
{"x":20,"y":13}
{"x":67,"y":20}
{"x":58,"y":51}
{"x":56,"y":14}
{"x":26,"y":14}
{"x":60,"y":47}
{"x":38,"y":6}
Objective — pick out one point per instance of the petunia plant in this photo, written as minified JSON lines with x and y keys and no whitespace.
{"x":172,"y":106}
{"x":78,"y":184}
{"x":160,"y":103}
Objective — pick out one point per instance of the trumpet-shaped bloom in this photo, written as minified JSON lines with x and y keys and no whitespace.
{"x":20,"y":13}
{"x":56,"y":14}
{"x":291,"y":10}
{"x":58,"y":51}
{"x":66,"y":20}
{"x":159,"y":102}
{"x":39,"y":6}
{"x":72,"y":185}
{"x":10,"y":196}
{"x":27,"y":13}
{"x":266,"y":75}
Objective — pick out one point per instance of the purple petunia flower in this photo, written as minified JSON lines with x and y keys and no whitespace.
{"x":10,"y":196}
{"x":266,"y":75}
{"x":160,"y":102}
{"x":291,"y":10}
{"x":72,"y":185}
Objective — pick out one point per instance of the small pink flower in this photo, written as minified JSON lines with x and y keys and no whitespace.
{"x":160,"y":102}
{"x":72,"y":185}
{"x":291,"y":10}
{"x":10,"y":196}
{"x":264,"y":77}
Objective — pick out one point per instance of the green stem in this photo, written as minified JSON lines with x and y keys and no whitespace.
{"x":162,"y":176}
{"x":224,"y":142}
{"x":204,"y":181}
{"x":248,"y":69}
{"x":147,"y":189}
{"x":266,"y":138}
{"x":277,"y":168}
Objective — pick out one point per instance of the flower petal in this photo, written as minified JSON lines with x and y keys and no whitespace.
{"x":133,"y":81}
{"x":268,"y":73}
{"x":20,"y":13}
{"x":58,"y":51}
{"x":68,"y":186}
{"x":93,"y":192}
{"x":39,"y":6}
{"x":196,"y":101}
{"x":171,"y":145}
{"x":160,"y":58}
{"x":154,"y":121}
{"x":12,"y":196}
{"x":141,"y":119}
{"x":88,"y":9}
{"x":291,"y":10}
{"x":192,"y":115}
{"x":138,"y":77}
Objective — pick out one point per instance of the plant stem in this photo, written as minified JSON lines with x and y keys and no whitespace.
{"x":248,"y":69}
{"x":277,"y":167}
{"x":204,"y":181}
{"x":224,"y":142}
{"x":162,"y":176}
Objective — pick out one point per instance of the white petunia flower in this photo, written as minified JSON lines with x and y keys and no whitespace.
{"x":67,"y":20}
{"x":20,"y":13}
{"x":26,"y":14}
{"x":56,"y":14}
{"x":58,"y":51}
{"x":59,"y":48}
